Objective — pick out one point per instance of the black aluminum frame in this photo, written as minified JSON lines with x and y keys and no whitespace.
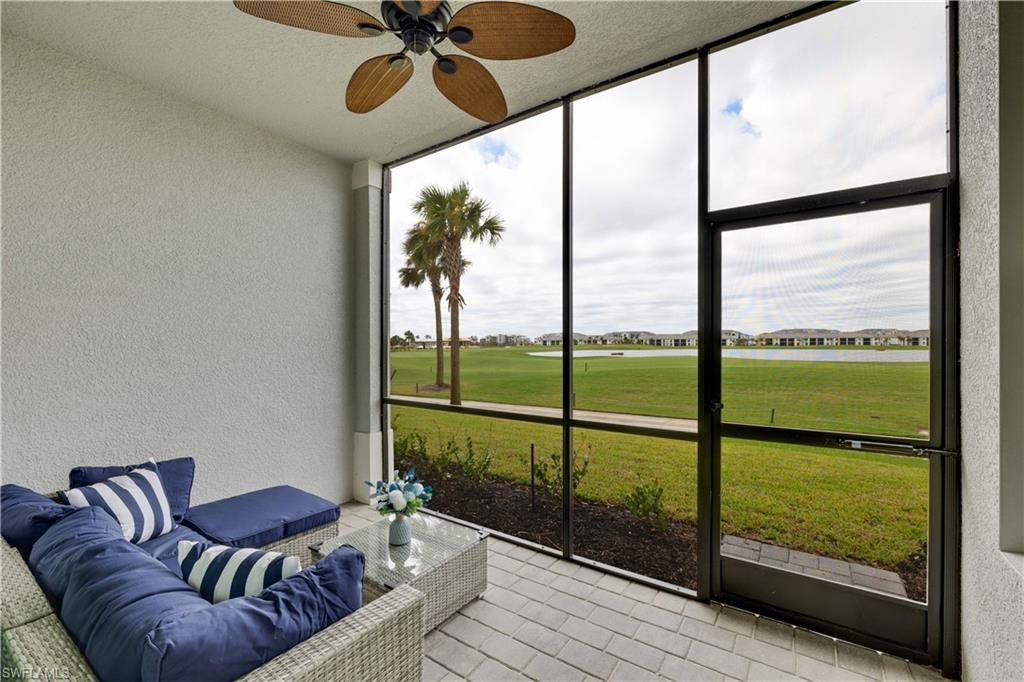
{"x":907,"y":628}
{"x":925,"y":633}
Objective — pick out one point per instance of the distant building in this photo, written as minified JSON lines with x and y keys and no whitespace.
{"x":674,"y":340}
{"x":504,"y":340}
{"x":731,"y":337}
{"x":610,"y":338}
{"x":463,"y":341}
{"x":834,"y":337}
{"x":555,"y":339}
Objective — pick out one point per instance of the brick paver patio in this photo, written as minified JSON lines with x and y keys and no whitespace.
{"x":825,"y":567}
{"x":549,"y":620}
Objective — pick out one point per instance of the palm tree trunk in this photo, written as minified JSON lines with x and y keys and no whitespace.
{"x":455,"y":393}
{"x":439,"y":335}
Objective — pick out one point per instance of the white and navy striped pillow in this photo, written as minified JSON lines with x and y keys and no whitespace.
{"x":136,"y":499}
{"x":218,"y":572}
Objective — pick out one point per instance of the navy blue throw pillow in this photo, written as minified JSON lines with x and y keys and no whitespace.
{"x":25,"y":515}
{"x":177,"y":475}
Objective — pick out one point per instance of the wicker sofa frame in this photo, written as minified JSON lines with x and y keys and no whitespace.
{"x":383,"y":640}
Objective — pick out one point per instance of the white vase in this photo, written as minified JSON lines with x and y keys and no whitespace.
{"x":400,"y":530}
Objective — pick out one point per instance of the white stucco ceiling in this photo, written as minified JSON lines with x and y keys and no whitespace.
{"x":292,"y":82}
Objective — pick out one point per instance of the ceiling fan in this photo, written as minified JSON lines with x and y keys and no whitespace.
{"x":490,"y":30}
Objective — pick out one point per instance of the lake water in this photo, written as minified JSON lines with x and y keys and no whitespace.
{"x":798,"y":354}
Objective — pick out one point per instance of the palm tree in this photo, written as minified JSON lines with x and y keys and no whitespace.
{"x":423,"y":264}
{"x":449,"y":217}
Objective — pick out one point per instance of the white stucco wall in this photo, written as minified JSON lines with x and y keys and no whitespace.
{"x":992,"y":625}
{"x":175,"y":282}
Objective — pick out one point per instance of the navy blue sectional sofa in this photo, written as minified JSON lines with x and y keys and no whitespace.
{"x":73,"y":585}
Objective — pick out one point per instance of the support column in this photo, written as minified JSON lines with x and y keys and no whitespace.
{"x":368,"y":445}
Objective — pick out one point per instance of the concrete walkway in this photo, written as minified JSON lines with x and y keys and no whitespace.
{"x":643,"y":421}
{"x":550,"y":620}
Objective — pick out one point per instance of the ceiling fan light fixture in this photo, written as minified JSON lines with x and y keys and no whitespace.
{"x":447,"y":65}
{"x":371,"y":29}
{"x":460,"y":35}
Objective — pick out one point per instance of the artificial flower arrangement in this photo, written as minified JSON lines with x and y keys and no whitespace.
{"x":404,"y":495}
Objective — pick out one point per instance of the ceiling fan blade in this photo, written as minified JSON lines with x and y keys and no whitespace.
{"x":419,"y":8}
{"x":315,"y":15}
{"x":509,"y":30}
{"x":471,"y":87}
{"x":375,"y":81}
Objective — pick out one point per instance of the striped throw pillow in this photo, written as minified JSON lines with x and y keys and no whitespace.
{"x":218,"y":572}
{"x":136,"y":500}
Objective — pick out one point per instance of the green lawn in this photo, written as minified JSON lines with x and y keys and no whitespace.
{"x":865,"y":507}
{"x":870,"y":397}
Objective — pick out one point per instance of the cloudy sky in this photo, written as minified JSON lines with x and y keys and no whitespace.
{"x":853,"y":97}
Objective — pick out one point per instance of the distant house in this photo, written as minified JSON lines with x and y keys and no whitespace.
{"x":919,"y":337}
{"x":834,"y":337}
{"x":463,"y":341}
{"x":555,"y":339}
{"x":800,"y":337}
{"x":674,"y":340}
{"x":424,"y":342}
{"x":610,"y":338}
{"x":731,"y":337}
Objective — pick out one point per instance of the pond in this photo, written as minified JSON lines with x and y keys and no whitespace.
{"x":798,"y":354}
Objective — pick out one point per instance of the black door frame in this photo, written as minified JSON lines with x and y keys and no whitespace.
{"x":893,"y":627}
{"x":870,"y":618}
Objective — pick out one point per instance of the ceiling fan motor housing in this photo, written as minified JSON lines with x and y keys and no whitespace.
{"x":419,"y":33}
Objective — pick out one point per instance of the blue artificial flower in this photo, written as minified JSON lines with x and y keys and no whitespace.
{"x":393,"y":486}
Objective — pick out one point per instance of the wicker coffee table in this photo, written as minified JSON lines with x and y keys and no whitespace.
{"x":445,"y":561}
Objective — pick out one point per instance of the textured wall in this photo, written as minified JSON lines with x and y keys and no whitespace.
{"x":993,"y":590}
{"x":175,"y":282}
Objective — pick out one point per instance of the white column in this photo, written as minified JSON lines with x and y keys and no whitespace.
{"x":368,"y":443}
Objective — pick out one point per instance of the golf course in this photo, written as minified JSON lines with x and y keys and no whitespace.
{"x":864,"y":507}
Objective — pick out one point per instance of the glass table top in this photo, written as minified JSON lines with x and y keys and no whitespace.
{"x":434,"y":542}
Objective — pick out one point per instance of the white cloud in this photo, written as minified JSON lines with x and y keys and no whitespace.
{"x":852,"y":97}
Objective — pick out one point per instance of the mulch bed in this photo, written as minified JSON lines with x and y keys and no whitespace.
{"x":914,"y":572}
{"x":603,"y":531}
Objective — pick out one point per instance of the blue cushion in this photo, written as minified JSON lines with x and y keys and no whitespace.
{"x":176,"y":474}
{"x":114,"y":598}
{"x":165,"y":548}
{"x":263,"y":516}
{"x":61,"y":548}
{"x":136,"y":499}
{"x":227,"y":640}
{"x":25,"y":515}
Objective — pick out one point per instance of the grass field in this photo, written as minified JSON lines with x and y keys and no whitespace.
{"x":860,"y":506}
{"x":868,"y":397}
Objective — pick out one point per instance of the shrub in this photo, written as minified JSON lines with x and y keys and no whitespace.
{"x":446,"y":455}
{"x":413,"y":445}
{"x":646,"y":501}
{"x":475,"y":466}
{"x":548,"y":474}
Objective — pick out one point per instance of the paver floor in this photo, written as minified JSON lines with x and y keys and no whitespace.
{"x":550,"y":620}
